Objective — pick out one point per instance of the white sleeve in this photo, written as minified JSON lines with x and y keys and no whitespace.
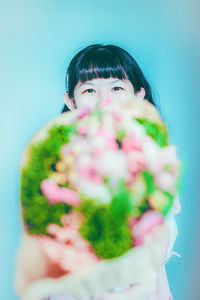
{"x":176,"y":206}
{"x":173,"y":228}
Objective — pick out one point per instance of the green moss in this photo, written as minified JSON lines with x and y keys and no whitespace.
{"x":157,"y":131}
{"x":135,"y":212}
{"x":169,"y":204}
{"x":121,"y":134}
{"x":106,"y":226}
{"x":150,"y":185}
{"x":37,"y":212}
{"x":144,"y":207}
{"x":121,"y":202}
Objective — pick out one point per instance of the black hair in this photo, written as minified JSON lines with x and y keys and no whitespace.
{"x":105,"y":61}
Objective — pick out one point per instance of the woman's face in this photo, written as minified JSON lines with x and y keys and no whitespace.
{"x":96,"y":90}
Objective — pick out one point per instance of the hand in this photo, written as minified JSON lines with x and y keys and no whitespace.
{"x":139,"y":267}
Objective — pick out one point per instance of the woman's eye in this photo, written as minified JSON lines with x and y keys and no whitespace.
{"x":117,"y":88}
{"x":90,"y":91}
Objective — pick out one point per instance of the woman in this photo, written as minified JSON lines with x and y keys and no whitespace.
{"x":94,"y":74}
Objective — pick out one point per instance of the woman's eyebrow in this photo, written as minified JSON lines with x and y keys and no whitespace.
{"x":119,"y":81}
{"x":115,"y":81}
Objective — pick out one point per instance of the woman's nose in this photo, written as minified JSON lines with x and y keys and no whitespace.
{"x":103,"y":95}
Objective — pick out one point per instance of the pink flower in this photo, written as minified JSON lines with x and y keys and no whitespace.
{"x":131,"y":143}
{"x":142,"y":226}
{"x":117,"y":116}
{"x":166,"y":168}
{"x":82,"y":130}
{"x":84,"y":112}
{"x":163,"y":163}
{"x":136,"y":161}
{"x":104,"y":140}
{"x":54,"y":193}
{"x":68,"y":233}
{"x":86,"y":168}
{"x":67,"y":249}
{"x":77,"y":142}
{"x":106,"y":102}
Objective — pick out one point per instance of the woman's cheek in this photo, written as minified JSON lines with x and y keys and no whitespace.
{"x":119,"y":96}
{"x":86,"y":100}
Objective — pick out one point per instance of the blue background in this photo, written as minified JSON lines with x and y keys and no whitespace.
{"x":39,"y":38}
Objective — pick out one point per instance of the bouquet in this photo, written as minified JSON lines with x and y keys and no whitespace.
{"x":94,"y":183}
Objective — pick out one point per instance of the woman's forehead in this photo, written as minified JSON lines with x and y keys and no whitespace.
{"x":97,"y":81}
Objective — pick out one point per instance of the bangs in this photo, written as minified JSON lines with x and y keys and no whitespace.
{"x":100,"y":64}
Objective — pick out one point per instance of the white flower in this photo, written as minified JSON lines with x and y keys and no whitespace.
{"x":165,"y":181}
{"x":99,"y":142}
{"x":113,"y":164}
{"x":151,"y":152}
{"x":97,"y":191}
